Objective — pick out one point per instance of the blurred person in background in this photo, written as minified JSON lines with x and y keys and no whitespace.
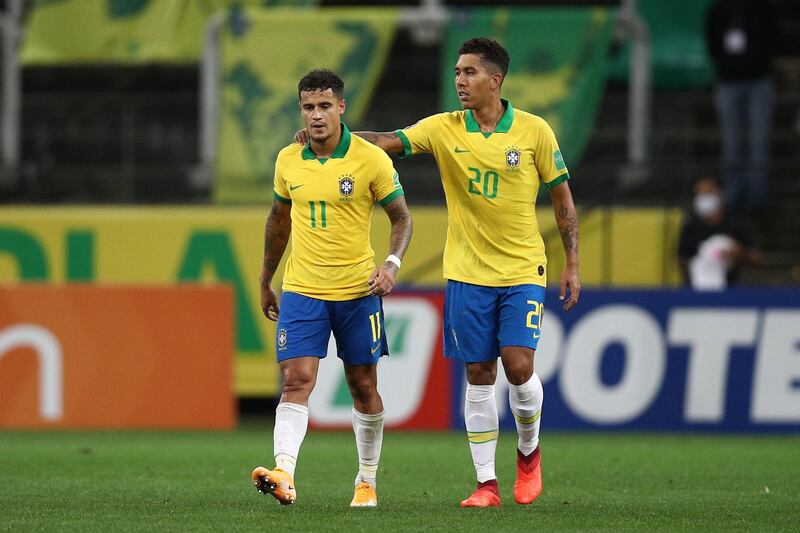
{"x":742,"y":40}
{"x":712,"y":245}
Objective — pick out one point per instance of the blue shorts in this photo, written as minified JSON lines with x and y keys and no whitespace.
{"x":305,"y":325}
{"x":480,"y":320}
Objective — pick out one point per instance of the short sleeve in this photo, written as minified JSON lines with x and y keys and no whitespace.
{"x":548,"y":159}
{"x":417,"y":138}
{"x":386,"y":186}
{"x":280,"y":191}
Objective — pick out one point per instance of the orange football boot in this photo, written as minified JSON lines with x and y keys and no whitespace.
{"x":365,"y":496}
{"x":487,"y":494}
{"x":528,"y":485}
{"x":276,"y":482}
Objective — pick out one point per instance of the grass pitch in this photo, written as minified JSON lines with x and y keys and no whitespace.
{"x":145,"y":481}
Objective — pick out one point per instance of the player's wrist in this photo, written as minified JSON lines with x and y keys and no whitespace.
{"x":391,"y":258}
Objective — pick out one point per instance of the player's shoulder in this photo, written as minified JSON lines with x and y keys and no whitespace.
{"x":450,"y":118}
{"x":529,"y":120}
{"x":438,"y":120}
{"x":289,"y":151}
{"x":364,"y":148}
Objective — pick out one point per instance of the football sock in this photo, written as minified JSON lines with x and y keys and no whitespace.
{"x":480,"y":416}
{"x":526,"y":404}
{"x":369,"y":438}
{"x":291,"y":423}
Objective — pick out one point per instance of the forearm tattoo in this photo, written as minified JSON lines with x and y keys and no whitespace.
{"x":567,"y":221}
{"x":376,"y":137}
{"x":398,"y":214}
{"x":276,"y":237}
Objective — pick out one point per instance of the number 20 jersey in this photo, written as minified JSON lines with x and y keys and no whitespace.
{"x":491,"y":182}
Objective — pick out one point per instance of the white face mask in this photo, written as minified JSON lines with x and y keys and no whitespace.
{"x":707,"y":203}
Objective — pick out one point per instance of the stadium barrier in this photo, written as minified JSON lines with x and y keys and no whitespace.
{"x":177,"y":245}
{"x":81,"y":356}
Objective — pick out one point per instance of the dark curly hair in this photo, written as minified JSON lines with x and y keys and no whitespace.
{"x":321,"y":79}
{"x":489,"y":50}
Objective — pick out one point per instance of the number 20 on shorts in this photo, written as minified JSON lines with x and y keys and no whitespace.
{"x":534,"y":317}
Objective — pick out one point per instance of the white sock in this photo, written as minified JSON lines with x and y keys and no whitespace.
{"x":291,"y":423}
{"x":480,"y":415}
{"x":526,"y":404}
{"x":369,"y":438}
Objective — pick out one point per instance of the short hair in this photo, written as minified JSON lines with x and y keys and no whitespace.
{"x":321,"y":79}
{"x":489,"y":51}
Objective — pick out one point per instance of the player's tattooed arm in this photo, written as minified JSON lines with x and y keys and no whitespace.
{"x":567,"y":221}
{"x":276,"y":237}
{"x":388,"y":141}
{"x":381,"y":282}
{"x":402,"y":226}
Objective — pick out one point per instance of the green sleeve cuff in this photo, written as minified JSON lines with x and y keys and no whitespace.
{"x":281,"y":199}
{"x":392,"y":196}
{"x":562,"y":177}
{"x":406,"y":143}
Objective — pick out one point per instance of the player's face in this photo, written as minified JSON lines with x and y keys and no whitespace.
{"x":322,"y":112}
{"x":474,"y":83}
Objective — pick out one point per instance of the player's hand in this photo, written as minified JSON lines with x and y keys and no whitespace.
{"x":269,"y":303}
{"x":570,"y":288}
{"x":301,"y":137}
{"x":381,"y":282}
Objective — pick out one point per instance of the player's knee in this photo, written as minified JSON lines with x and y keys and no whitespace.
{"x":481,"y":374}
{"x":297,"y":380}
{"x":362,"y":387}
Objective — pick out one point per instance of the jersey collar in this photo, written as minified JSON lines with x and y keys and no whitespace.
{"x":503,"y":125}
{"x":338,"y":153}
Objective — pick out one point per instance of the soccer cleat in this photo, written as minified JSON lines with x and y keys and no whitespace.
{"x":276,"y":482}
{"x":365,"y":496}
{"x":528,"y":485}
{"x":486,"y":495}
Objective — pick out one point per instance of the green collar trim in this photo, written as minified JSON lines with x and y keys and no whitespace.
{"x":339,"y":153}
{"x":502,"y":126}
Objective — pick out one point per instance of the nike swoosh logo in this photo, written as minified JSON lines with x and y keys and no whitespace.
{"x":375,"y":349}
{"x":293,"y":187}
{"x":537,"y":335}
{"x":461,"y":150}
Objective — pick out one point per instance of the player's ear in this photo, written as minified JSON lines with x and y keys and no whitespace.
{"x":496,"y":81}
{"x":342,"y":106}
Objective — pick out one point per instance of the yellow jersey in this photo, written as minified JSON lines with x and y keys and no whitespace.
{"x":332,"y":199}
{"x":491,"y":181}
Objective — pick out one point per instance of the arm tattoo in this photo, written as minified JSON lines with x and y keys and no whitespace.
{"x":276,"y":237}
{"x":398,"y":214}
{"x":369,"y":136}
{"x":379,"y":139}
{"x":567,"y":220}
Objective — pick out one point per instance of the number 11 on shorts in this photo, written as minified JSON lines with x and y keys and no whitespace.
{"x":375,"y":323}
{"x":538,"y":308}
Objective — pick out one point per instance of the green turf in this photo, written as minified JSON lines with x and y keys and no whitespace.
{"x":201,"y":481}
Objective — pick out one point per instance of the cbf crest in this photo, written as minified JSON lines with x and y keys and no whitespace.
{"x":346,"y":185}
{"x":513,"y":157}
{"x":282,"y":339}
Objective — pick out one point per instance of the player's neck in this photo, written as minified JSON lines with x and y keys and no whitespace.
{"x":325,"y":149}
{"x":489,"y":115}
